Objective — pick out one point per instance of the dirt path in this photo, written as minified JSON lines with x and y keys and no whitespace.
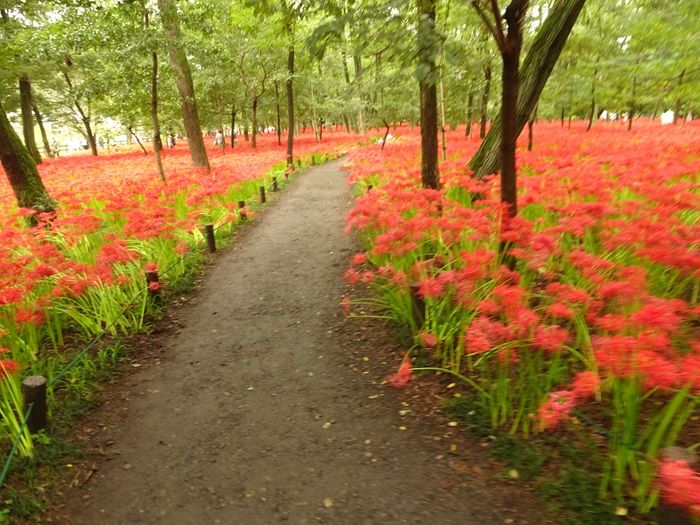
{"x":258,"y":412}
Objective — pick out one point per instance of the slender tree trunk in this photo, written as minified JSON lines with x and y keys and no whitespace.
{"x":277,"y":105}
{"x":530,"y":125}
{"x":233,"y":127}
{"x":677,"y":105}
{"x":357,"y":61}
{"x":254,"y":142}
{"x":21,"y":170}
{"x":183,"y":81}
{"x":290,"y":96}
{"x":386,"y":133}
{"x":470,"y":111}
{"x":427,"y":39}
{"x":632,"y":103}
{"x":442,"y":119}
{"x":534,"y":72}
{"x":485,"y":100}
{"x":25,"y":98}
{"x":155,"y":121}
{"x":246,"y":135}
{"x":130,"y":129}
{"x":42,"y":130}
{"x":591,"y":116}
{"x":509,"y":133}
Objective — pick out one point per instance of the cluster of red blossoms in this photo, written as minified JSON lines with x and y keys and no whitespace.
{"x":606,"y":249}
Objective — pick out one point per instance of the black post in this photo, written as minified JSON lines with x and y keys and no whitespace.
{"x":153,"y":282}
{"x":274,"y":184}
{"x":211,"y":240}
{"x":262,"y":195}
{"x":34,"y":392}
{"x":242,"y":213}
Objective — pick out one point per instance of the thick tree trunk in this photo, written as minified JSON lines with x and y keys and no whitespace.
{"x":21,"y":170}
{"x":470,"y":111}
{"x":155,"y":121}
{"x":509,"y":131}
{"x":485,"y":100}
{"x":183,"y":81}
{"x":290,"y":97}
{"x":42,"y":130}
{"x":535,"y":71}
{"x":427,"y":39}
{"x":25,"y":99}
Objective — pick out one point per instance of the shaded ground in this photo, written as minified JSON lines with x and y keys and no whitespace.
{"x":266,"y":406}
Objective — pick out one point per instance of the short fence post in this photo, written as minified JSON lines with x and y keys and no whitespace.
{"x":153,"y":282}
{"x":417,"y":304}
{"x":274,"y":184}
{"x":670,"y":514}
{"x":313,"y":160}
{"x":34,"y":391}
{"x":299,"y":163}
{"x":286,"y":175}
{"x":369,"y":188}
{"x":211,"y":240}
{"x":262,"y":195}
{"x":241,"y":206}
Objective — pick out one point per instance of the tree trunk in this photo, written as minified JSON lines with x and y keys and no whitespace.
{"x":90,"y":135}
{"x":485,"y":100}
{"x":130,"y":129}
{"x":561,"y":117}
{"x":233,"y":127}
{"x":25,"y":98}
{"x":277,"y":104}
{"x":157,"y":142}
{"x":442,"y":119}
{"x":357,"y":61}
{"x":290,"y":96}
{"x":632,"y":103}
{"x":677,"y":105}
{"x":254,"y":136}
{"x":591,"y":116}
{"x":246,"y":135}
{"x":530,"y":125}
{"x":427,"y":39}
{"x":21,"y":170}
{"x":44,"y":136}
{"x":535,"y":71}
{"x":183,"y":81}
{"x":470,"y":110}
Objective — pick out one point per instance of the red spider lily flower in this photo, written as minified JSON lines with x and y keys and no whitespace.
{"x":154,"y":286}
{"x":680,"y":485}
{"x":428,"y":339}
{"x":401,"y":378}
{"x":358,"y":259}
{"x":8,"y":367}
{"x":556,"y":409}
{"x":150,"y":267}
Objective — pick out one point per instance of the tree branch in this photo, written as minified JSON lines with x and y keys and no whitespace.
{"x":500,"y":40}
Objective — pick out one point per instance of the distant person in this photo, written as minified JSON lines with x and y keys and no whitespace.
{"x":219,"y":139}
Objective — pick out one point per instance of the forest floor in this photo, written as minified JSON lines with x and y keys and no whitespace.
{"x":259,"y":402}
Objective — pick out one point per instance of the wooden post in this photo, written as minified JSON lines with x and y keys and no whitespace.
{"x":262,"y":195}
{"x":153,"y":282}
{"x":313,"y":159}
{"x":274,"y":184}
{"x":299,"y":163}
{"x":369,"y":188}
{"x":34,"y":392}
{"x":211,"y":240}
{"x":418,"y":305}
{"x":242,"y":214}
{"x":669,"y":514}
